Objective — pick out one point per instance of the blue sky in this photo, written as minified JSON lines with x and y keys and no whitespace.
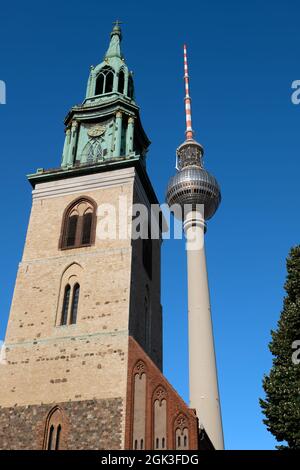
{"x":243,"y":57}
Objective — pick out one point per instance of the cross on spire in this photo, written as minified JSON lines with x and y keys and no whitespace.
{"x":117,"y":23}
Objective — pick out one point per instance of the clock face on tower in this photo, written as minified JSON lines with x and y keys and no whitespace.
{"x":96,"y":130}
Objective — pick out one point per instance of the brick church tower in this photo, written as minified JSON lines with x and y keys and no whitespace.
{"x":83,"y":366}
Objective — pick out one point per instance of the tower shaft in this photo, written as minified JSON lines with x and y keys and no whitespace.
{"x":204,"y":393}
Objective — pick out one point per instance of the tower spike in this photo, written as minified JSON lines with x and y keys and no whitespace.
{"x":187,"y":100}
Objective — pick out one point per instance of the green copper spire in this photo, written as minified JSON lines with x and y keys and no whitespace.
{"x":114,"y":49}
{"x":106,"y":127}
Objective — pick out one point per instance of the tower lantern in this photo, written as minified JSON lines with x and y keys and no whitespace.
{"x":198,"y":194}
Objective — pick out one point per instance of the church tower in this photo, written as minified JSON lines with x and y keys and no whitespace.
{"x":83,"y":347}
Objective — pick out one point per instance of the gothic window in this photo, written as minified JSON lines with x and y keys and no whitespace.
{"x":160,"y":417}
{"x":79,"y":224}
{"x":139,"y":406}
{"x":147,"y":254}
{"x":99,"y":84}
{"x":74,"y":308}
{"x":105,"y":81}
{"x":121,"y":82}
{"x":69,"y":296}
{"x":92,"y":151}
{"x":109,"y":82}
{"x":53,"y":437}
{"x":130,"y":87}
{"x":181,"y":433}
{"x":66,"y":301}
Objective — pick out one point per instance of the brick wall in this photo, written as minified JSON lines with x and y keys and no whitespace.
{"x":90,"y":424}
{"x":177,"y":409}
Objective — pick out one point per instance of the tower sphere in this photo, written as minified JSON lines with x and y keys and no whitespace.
{"x":193,"y":184}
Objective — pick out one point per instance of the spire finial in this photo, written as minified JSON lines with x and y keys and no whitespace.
{"x":117,"y":28}
{"x":187,"y":100}
{"x":114,"y":49}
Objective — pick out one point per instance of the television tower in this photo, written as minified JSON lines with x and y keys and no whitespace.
{"x":198,"y":194}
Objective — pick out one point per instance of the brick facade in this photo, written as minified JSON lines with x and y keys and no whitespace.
{"x":177,"y":410}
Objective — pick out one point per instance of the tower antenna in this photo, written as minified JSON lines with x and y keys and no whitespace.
{"x":187,"y":100}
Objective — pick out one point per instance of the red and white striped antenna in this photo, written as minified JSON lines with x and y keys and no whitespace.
{"x":187,"y":100}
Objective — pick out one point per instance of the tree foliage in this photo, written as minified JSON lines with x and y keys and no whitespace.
{"x":281,"y":405}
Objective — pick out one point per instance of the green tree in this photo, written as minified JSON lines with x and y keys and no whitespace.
{"x":281,"y":405}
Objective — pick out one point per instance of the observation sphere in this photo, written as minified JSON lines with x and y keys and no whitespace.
{"x":193,"y":184}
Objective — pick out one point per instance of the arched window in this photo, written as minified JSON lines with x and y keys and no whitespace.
{"x":53,"y":436}
{"x":79,"y":224}
{"x":65,"y":308}
{"x":69,"y":302}
{"x":92,"y":151}
{"x":75,"y":300}
{"x":104,"y":81}
{"x":99,"y":84}
{"x":109,"y":82}
{"x":121,"y":82}
{"x":130,"y":87}
{"x":139,"y":406}
{"x":159,"y":405}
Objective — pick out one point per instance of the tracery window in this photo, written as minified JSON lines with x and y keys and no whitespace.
{"x":70,"y":317}
{"x":79,"y":224}
{"x":105,"y":81}
{"x":92,"y":152}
